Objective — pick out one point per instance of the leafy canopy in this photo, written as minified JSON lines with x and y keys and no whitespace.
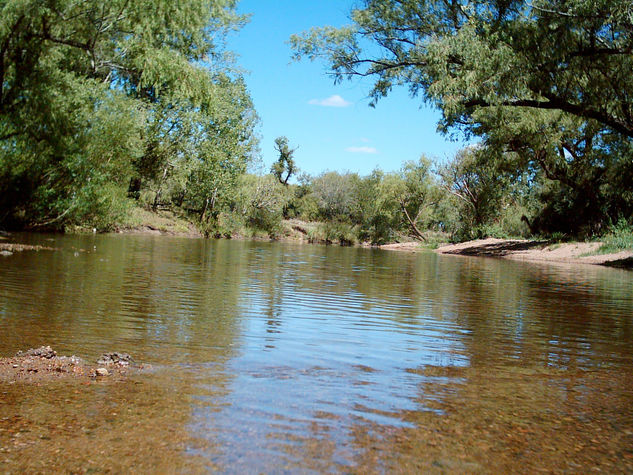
{"x":545,"y":84}
{"x":574,"y":56}
{"x":94,"y":95}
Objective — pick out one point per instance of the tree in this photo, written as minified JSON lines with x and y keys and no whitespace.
{"x":261,"y":201}
{"x":479,"y":189}
{"x":417,"y":194}
{"x":372,"y":209}
{"x":545,"y":83}
{"x":334,"y":193}
{"x":223,"y":145}
{"x":578,"y":169}
{"x":150,"y":73}
{"x":285,"y":163}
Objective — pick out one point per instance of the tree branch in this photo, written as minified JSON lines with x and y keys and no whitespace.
{"x":554,"y":103}
{"x":414,"y":228}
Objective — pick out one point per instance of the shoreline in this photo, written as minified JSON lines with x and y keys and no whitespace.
{"x":527,"y":250}
{"x":540,"y":251}
{"x":515,"y":249}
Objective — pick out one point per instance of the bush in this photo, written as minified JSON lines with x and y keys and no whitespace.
{"x":228,"y":225}
{"x":619,"y":237}
{"x":333,"y":232}
{"x":379,"y":230}
{"x":261,"y":201}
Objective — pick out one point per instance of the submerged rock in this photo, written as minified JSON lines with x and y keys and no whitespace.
{"x":41,"y":352}
{"x":102,"y":372}
{"x":40,"y":365}
{"x":121,"y":359}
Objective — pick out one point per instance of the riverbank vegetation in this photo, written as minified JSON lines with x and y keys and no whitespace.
{"x":103,"y":104}
{"x":544,"y":87}
{"x":113,"y":113}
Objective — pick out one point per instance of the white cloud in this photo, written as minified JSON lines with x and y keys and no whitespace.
{"x":332,"y":101}
{"x":361,"y":150}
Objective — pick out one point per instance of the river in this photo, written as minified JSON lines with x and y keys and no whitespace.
{"x":289,"y":358}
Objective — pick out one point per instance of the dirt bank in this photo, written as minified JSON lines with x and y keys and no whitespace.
{"x":403,"y":246}
{"x":576,"y":252}
{"x":165,"y":222}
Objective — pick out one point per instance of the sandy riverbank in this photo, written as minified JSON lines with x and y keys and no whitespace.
{"x":518,"y":249}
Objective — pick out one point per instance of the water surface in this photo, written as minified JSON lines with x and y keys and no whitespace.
{"x":270,"y":357}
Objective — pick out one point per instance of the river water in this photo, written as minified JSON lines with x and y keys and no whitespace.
{"x":288,"y":358}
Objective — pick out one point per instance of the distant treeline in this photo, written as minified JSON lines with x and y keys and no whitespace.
{"x":462,"y":198}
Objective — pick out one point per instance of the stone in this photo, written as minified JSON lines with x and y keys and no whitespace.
{"x":122,"y":359}
{"x":102,"y":372}
{"x":41,"y":352}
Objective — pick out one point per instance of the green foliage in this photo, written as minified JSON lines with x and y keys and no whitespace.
{"x":374,"y":210}
{"x":285,"y":163}
{"x":545,"y":85}
{"x":96,"y":98}
{"x":78,"y":178}
{"x":331,"y":232}
{"x":618,"y":238}
{"x":306,"y":207}
{"x":512,"y":221}
{"x":377,"y":207}
{"x":229,"y":224}
{"x":418,"y":194}
{"x":478,"y":191}
{"x":261,"y":201}
{"x":333,"y":194}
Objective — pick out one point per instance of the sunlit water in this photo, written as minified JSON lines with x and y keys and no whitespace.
{"x":272,"y":357}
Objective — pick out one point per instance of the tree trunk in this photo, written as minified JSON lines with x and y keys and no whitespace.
{"x":209,"y":205}
{"x":160,"y":186}
{"x":414,"y":228}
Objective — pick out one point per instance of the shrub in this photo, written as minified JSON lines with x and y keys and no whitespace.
{"x":619,"y":237}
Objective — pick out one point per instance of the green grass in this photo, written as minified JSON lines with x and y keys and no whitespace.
{"x":165,"y":221}
{"x":612,"y":243}
{"x":619,"y":238}
{"x":434,"y":239}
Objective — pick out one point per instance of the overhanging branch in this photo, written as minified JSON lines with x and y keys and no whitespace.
{"x":554,"y":103}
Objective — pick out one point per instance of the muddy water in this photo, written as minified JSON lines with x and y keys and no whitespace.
{"x":278,"y":358}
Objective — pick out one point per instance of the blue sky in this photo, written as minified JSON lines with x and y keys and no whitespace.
{"x":332,"y":125}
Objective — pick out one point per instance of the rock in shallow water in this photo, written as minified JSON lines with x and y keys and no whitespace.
{"x":41,"y":352}
{"x":122,"y":359}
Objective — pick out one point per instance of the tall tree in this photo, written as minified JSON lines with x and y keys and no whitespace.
{"x":417,"y":194}
{"x":477,"y":187}
{"x":547,"y":82}
{"x":70,"y":69}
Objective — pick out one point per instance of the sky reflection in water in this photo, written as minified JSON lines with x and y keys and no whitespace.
{"x":301,"y":357}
